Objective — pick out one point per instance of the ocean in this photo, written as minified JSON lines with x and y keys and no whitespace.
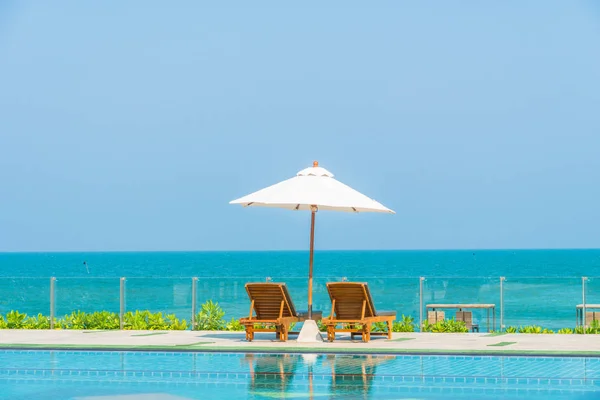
{"x":541,"y":287}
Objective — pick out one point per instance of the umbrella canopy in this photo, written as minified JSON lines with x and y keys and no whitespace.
{"x":312,"y":189}
{"x":309,"y":188}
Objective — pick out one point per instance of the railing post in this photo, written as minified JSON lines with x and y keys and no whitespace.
{"x":421,"y":280}
{"x":194,"y":299}
{"x":502,"y":279}
{"x":52,"y":301}
{"x":122,"y":303}
{"x":583,"y":280}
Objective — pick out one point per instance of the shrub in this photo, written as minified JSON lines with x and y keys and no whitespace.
{"x":594,"y":328}
{"x":210,"y":317}
{"x":379,"y":327}
{"x":445,"y":326}
{"x":15,"y":320}
{"x":529,"y":329}
{"x":145,"y":320}
{"x":175,"y":324}
{"x":137,"y":321}
{"x":76,"y":320}
{"x":565,"y":331}
{"x":535,"y":329}
{"x":407,"y":324}
{"x":234,"y":325}
{"x":322,"y":326}
{"x":39,"y":322}
{"x":102,"y":320}
{"x":106,"y":320}
{"x":156,"y":322}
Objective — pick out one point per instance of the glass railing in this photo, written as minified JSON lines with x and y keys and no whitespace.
{"x":483,"y":303}
{"x":591,"y":301}
{"x":546,"y":302}
{"x":26,"y":295}
{"x":475,"y":301}
{"x":166,"y":295}
{"x":86,"y":294}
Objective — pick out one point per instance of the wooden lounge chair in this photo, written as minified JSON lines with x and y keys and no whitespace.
{"x":272,"y":306}
{"x":352,"y":305}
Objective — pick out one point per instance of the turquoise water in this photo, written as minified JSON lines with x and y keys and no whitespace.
{"x":157,"y":375}
{"x":542,"y":286}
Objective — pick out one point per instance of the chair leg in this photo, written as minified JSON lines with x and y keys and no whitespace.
{"x":283,"y":333}
{"x":352,"y":334}
{"x":331,"y":333}
{"x":390,"y":325}
{"x":366,"y":336}
{"x":249,"y":333}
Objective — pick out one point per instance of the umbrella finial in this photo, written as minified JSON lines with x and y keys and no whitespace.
{"x":315,"y":164}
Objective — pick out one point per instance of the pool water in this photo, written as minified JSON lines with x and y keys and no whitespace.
{"x":178,"y":376}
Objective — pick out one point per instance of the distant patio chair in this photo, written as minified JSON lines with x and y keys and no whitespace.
{"x":434,"y":317}
{"x":591,"y":316}
{"x":467,"y":318}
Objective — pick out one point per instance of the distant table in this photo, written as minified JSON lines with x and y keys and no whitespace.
{"x":580,"y":318}
{"x":487,"y":307}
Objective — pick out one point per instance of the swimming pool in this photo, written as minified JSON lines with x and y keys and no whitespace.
{"x":177,"y":375}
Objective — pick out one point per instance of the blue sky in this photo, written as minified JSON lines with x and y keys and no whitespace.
{"x":130,"y":125}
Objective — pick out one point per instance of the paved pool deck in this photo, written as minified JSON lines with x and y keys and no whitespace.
{"x":401,"y":343}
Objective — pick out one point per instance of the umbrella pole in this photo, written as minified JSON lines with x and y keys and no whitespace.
{"x":310,"y":330}
{"x":310,"y":262}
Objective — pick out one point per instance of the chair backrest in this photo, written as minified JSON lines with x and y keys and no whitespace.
{"x":591,"y":316}
{"x":267,"y":298}
{"x":435,"y":316}
{"x":349,"y":298}
{"x":466,"y":317}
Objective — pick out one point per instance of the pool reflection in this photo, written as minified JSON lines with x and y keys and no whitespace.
{"x":311,"y":375}
{"x":271,"y":373}
{"x":353,"y":375}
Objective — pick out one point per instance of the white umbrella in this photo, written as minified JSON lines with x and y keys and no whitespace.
{"x":312,"y":189}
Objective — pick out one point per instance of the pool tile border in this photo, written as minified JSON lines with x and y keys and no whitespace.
{"x":207,"y":347}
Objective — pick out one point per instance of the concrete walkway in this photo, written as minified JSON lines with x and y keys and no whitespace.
{"x":417,"y":343}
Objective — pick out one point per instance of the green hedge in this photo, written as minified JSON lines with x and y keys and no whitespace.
{"x":212,"y":317}
{"x":593,"y":329}
{"x":105,"y":320}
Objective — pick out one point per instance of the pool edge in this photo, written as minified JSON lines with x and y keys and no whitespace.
{"x":201,"y":348}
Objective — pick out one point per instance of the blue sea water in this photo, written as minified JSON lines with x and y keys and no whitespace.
{"x":541,"y":287}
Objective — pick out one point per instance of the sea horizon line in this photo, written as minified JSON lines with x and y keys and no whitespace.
{"x":301,"y":250}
